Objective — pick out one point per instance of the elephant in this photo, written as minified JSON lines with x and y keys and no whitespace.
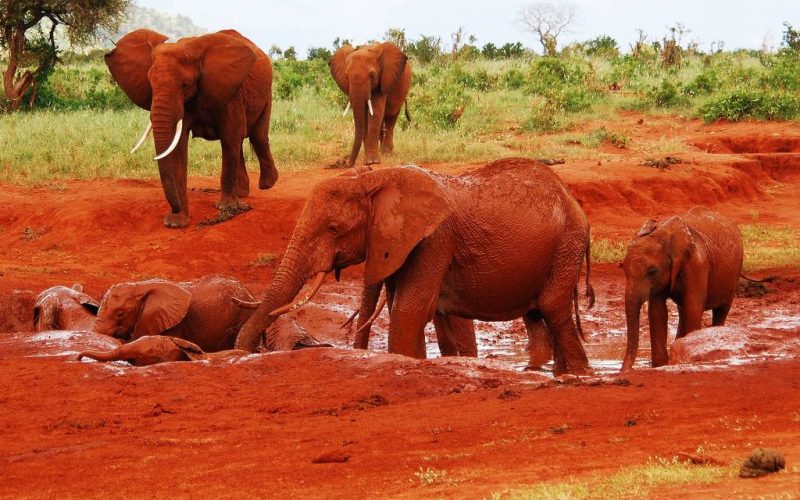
{"x":64,"y":308}
{"x":217,"y":86}
{"x":376,"y":79}
{"x":695,"y":259}
{"x":150,"y":350}
{"x":199,"y":311}
{"x":502,"y":242}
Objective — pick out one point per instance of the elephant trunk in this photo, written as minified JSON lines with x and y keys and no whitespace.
{"x":289,"y":280}
{"x":633,"y":306}
{"x":99,"y":356}
{"x":165,"y":115}
{"x":358,"y":101}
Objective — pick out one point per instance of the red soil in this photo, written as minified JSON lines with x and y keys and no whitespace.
{"x":256,"y":426}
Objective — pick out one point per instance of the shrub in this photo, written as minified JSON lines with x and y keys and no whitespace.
{"x":740,"y":104}
{"x":543,"y":117}
{"x":667,"y":95}
{"x":438,"y":105}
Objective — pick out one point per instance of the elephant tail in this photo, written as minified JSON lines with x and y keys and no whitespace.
{"x":408,"y":114}
{"x":577,"y":314}
{"x":768,"y":279}
{"x":589,"y":289}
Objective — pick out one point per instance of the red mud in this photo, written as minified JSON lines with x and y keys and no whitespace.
{"x":373,"y":419}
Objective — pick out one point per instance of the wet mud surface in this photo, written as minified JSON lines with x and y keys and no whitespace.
{"x":333,"y":421}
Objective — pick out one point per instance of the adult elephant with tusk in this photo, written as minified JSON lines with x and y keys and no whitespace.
{"x":376,"y":79}
{"x":216,"y":86}
{"x":505,"y":241}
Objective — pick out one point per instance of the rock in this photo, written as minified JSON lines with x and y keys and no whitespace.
{"x":761,"y":462}
{"x":717,"y":343}
{"x":331,"y":457}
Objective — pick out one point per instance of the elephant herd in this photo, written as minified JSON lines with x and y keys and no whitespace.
{"x":505,"y":241}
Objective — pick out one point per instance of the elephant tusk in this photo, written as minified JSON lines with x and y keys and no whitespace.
{"x":374,"y":316}
{"x":171,"y":148}
{"x":313,"y":289}
{"x":369,"y":104}
{"x":245,"y":304}
{"x":346,"y":109}
{"x":350,"y":319}
{"x":144,"y":137}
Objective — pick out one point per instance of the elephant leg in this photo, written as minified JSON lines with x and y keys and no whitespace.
{"x":681,"y":323}
{"x":369,"y":301}
{"x":570,"y":356}
{"x":720,"y":314}
{"x":231,"y":160}
{"x":540,"y":346}
{"x":387,"y":135}
{"x":657,"y":315}
{"x":374,"y":127}
{"x":692,"y":314}
{"x":242,"y":179}
{"x":455,"y":335}
{"x":259,"y":138}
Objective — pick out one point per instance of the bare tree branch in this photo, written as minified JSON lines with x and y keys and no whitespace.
{"x":547,"y":20}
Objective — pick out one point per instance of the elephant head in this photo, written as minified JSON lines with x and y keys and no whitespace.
{"x":375,"y":217}
{"x":653,"y":265}
{"x":363,"y":74}
{"x":202,"y":72}
{"x":129,"y":311}
{"x":63,"y":308}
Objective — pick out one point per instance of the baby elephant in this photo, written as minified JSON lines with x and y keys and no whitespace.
{"x":199,"y":311}
{"x":62,"y":308}
{"x":694,"y":259}
{"x":152,"y":349}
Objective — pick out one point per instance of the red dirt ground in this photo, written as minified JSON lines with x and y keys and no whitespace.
{"x":254,"y":427}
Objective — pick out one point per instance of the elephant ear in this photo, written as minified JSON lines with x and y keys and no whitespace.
{"x":130,"y":61}
{"x":164,"y":305}
{"x":681,"y":249}
{"x":648,"y":227}
{"x":407,"y":205}
{"x":393,"y":63}
{"x":338,"y":67}
{"x":225,"y":63}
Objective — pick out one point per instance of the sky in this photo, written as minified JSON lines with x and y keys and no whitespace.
{"x":316,"y":23}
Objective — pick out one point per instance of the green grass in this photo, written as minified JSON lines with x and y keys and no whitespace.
{"x":769,"y":247}
{"x":608,"y":251}
{"x":636,"y":482}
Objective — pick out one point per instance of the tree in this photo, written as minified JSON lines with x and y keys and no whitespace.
{"x":320,"y":53}
{"x":290,"y":54}
{"x":791,"y":37}
{"x":398,"y":37}
{"x":547,"y":21}
{"x":27,"y":33}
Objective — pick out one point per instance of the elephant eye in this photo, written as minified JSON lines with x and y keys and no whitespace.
{"x":333,"y":228}
{"x":652,"y":272}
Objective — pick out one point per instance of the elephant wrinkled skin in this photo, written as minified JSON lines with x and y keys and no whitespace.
{"x":200,"y":311}
{"x":151,"y":350}
{"x":217,"y":86}
{"x":695,"y":260}
{"x":502,"y":242}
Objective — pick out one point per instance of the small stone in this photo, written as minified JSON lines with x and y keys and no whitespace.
{"x":331,"y":457}
{"x":761,"y":462}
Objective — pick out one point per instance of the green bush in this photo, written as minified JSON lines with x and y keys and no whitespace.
{"x":438,"y":105}
{"x":741,"y":104}
{"x":544,"y":116}
{"x":668,"y":94}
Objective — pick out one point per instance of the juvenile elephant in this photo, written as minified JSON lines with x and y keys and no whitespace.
{"x":376,"y":79}
{"x":695,"y":259}
{"x":151,"y":350}
{"x":216,"y":86}
{"x":199,"y":311}
{"x":63,"y":308}
{"x":505,"y":241}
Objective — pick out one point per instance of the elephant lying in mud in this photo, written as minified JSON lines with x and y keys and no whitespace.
{"x":63,"y":308}
{"x":199,"y":311}
{"x":505,"y":241}
{"x":695,"y":259}
{"x":158,"y":349}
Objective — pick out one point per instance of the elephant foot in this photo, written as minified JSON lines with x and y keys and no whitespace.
{"x":387,"y":150}
{"x":243,"y":190}
{"x":231,"y":203}
{"x":372,"y":159}
{"x":175,"y":221}
{"x":268,"y":178}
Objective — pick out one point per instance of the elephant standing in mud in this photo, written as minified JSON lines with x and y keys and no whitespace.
{"x":200,"y":311}
{"x":502,"y":242}
{"x":217,"y":86}
{"x":376,"y":79}
{"x":64,"y":308}
{"x":695,"y":259}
